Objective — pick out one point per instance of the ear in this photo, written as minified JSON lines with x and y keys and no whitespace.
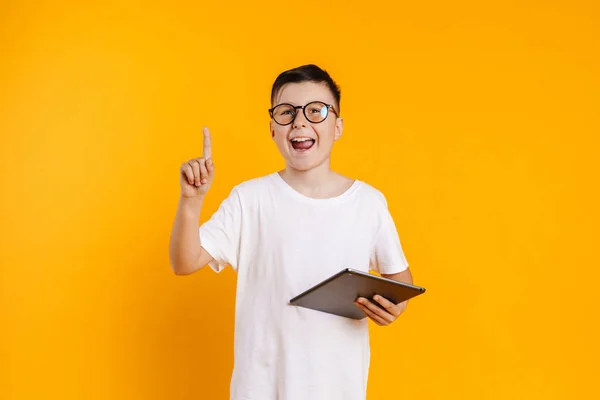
{"x":271,"y":128}
{"x":339,"y":128}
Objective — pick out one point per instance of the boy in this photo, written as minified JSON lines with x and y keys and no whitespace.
{"x":283,"y":233}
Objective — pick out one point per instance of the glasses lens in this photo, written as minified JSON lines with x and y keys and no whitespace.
{"x":316,"y":111}
{"x":283,"y":114}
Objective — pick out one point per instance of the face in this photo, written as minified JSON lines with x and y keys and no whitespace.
{"x":305,"y":145}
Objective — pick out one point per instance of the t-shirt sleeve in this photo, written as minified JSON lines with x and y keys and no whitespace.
{"x":220,"y":235}
{"x":387,"y":256}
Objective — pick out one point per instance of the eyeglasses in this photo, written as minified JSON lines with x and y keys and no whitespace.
{"x":315,"y":112}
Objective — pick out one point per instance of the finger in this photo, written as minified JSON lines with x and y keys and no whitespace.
{"x":188,"y":173}
{"x":388,"y":305}
{"x":207,"y":153}
{"x":376,"y":309}
{"x":196,"y":168}
{"x":376,"y":318}
{"x":203,"y":171}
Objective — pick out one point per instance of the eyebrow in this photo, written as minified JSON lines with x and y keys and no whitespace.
{"x":294,"y":104}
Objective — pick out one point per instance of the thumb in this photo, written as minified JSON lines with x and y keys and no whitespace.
{"x":210,"y":167}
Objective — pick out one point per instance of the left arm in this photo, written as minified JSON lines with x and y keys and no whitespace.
{"x":392,"y":311}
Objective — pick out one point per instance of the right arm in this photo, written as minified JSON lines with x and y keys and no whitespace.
{"x":185,"y":250}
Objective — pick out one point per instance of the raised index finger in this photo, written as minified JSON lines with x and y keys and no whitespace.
{"x":207,"y":153}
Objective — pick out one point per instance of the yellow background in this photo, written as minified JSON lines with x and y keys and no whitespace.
{"x":478,"y":120}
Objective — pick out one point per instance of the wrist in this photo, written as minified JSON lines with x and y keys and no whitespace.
{"x":193,"y":203}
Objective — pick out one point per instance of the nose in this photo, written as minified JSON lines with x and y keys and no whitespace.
{"x":299,"y":120}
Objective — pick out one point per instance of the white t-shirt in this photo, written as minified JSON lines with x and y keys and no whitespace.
{"x":281,"y":243}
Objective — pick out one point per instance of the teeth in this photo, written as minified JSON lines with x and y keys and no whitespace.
{"x":300,"y":139}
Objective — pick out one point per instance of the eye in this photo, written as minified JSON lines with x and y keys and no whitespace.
{"x":324,"y":111}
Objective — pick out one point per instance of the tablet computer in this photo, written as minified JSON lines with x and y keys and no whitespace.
{"x":336,"y":295}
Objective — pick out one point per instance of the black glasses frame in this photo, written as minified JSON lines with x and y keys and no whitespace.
{"x":303,"y":108}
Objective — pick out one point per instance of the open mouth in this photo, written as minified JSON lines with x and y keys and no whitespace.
{"x":302,"y":144}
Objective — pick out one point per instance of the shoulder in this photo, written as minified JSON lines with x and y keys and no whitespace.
{"x":253,"y":187}
{"x":372,"y":195}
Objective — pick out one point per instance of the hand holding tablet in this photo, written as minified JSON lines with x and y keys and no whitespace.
{"x":337,"y":294}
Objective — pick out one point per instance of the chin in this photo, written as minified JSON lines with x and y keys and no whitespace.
{"x":306,"y":161}
{"x":304,"y":165}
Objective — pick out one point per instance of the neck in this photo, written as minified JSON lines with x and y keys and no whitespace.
{"x":314,"y":181}
{"x":313,"y":177}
